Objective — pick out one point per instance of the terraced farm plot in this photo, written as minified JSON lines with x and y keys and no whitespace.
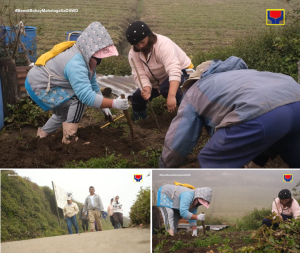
{"x":115,"y":15}
{"x":198,"y":24}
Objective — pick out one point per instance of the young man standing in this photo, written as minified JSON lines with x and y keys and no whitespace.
{"x":93,"y":204}
{"x":70,"y":210}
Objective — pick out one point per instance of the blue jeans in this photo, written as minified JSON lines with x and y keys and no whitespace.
{"x":268,"y":222}
{"x":140,"y":105}
{"x":72,"y":221}
{"x":233,"y":147}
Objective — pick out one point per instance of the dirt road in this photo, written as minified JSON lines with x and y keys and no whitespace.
{"x":128,"y":240}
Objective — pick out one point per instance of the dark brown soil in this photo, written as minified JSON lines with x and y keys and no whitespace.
{"x":24,"y":150}
{"x":236,"y":242}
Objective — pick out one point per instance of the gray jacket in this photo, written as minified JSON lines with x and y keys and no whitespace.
{"x":229,"y":94}
{"x":70,"y":74}
{"x":97,"y":201}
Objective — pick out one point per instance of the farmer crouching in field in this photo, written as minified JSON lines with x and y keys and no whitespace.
{"x":161,"y":65}
{"x":243,"y":110}
{"x":285,"y":207}
{"x":64,"y":81}
{"x":176,"y":201}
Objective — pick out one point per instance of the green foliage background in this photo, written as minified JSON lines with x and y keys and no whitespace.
{"x":140,"y":210}
{"x":28,"y":211}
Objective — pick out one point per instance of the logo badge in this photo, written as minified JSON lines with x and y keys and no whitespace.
{"x":138,"y":178}
{"x":287,"y":178}
{"x":275,"y":17}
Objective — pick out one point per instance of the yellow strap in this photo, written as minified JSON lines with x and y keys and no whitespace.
{"x":185,"y":185}
{"x":191,"y":66}
{"x":41,"y":61}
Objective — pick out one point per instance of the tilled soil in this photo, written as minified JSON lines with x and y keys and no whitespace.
{"x":236,"y":242}
{"x":24,"y":150}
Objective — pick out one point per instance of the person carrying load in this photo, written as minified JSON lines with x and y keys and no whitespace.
{"x":64,"y":80}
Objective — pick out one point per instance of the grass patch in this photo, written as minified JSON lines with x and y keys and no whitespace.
{"x":252,"y":220}
{"x":274,"y":50}
{"x":111,"y":161}
{"x":25,"y":210}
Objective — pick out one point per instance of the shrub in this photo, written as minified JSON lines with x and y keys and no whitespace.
{"x":274,"y":50}
{"x":140,"y":210}
{"x":114,"y":66}
{"x":252,"y":220}
{"x":26,"y":112}
{"x":25,"y":211}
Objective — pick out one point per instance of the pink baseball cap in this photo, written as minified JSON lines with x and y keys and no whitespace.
{"x":106,"y":52}
{"x":203,"y":202}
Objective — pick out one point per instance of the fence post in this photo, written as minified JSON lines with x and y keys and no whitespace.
{"x":9,"y":83}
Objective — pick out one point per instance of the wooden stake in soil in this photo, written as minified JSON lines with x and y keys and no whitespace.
{"x":128,"y":119}
{"x":149,"y":103}
{"x":203,"y":225}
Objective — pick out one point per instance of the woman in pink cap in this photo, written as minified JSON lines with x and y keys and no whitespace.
{"x":176,"y":202}
{"x":66,"y":83}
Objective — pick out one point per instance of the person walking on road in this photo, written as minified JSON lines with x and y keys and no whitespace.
{"x":84,"y":219}
{"x":117,"y":213}
{"x":70,"y":210}
{"x":161,"y":64}
{"x":93,"y":204}
{"x":285,"y":207}
{"x":110,"y":211}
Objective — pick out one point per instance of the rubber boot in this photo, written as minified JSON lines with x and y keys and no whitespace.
{"x":41,"y":133}
{"x":69,"y":132}
{"x":139,"y":115}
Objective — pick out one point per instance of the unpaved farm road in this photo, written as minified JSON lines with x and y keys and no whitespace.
{"x":128,"y":240}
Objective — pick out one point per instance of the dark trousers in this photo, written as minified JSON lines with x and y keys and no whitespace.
{"x":72,"y":221}
{"x":232,"y":147}
{"x":118,"y":217}
{"x":268,"y":222}
{"x":85,"y":225}
{"x":140,"y":105}
{"x":112,"y":220}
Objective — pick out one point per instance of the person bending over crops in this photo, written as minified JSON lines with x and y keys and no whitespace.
{"x":243,"y":110}
{"x":161,"y":65}
{"x":64,"y":80}
{"x":176,"y":201}
{"x":285,"y":207}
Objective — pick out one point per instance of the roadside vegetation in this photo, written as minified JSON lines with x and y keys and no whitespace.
{"x":28,"y":210}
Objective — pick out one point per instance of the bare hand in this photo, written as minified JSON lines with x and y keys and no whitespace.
{"x":146,"y":93}
{"x":171,"y":104}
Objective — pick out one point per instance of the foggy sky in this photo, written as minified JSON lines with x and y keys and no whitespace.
{"x":226,"y":178}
